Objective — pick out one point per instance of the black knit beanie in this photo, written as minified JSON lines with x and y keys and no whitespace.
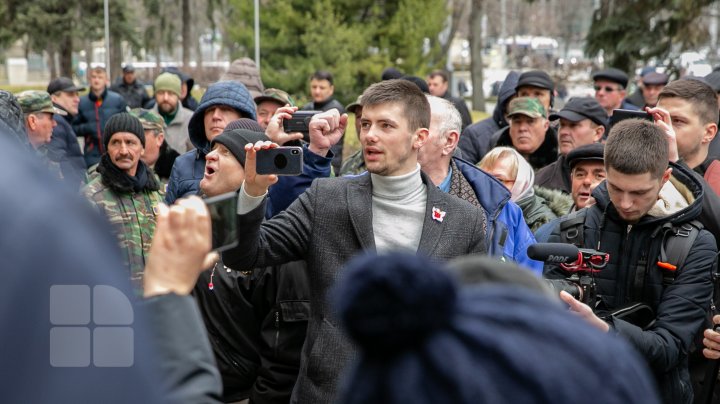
{"x":245,"y":123}
{"x":123,"y":122}
{"x":236,"y":139}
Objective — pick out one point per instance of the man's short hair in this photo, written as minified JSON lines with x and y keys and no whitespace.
{"x":637,"y":146}
{"x":322,"y":75}
{"x":450,"y":119}
{"x":98,"y":69}
{"x":442,"y":73}
{"x":414,"y":104}
{"x":699,"y":94}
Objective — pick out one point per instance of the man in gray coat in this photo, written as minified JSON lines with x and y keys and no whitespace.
{"x":391,"y":207}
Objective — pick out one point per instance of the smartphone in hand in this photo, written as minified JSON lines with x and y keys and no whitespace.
{"x":285,"y":160}
{"x":223,"y":209}
{"x":622,"y":114}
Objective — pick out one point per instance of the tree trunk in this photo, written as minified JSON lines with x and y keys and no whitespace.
{"x":66,"y":48}
{"x":186,"y":41}
{"x":459,"y":7}
{"x":476,"y":61}
{"x":158,"y":60}
{"x":52,"y":64}
{"x":116,"y":57}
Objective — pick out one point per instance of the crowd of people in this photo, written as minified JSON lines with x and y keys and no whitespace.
{"x":291,"y":314}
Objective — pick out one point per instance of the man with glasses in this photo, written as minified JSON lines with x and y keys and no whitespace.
{"x":64,"y":146}
{"x":610,"y":91}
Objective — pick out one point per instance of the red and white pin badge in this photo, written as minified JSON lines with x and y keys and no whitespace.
{"x":438,"y":214}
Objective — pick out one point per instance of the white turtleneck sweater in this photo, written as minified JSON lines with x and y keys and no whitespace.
{"x":398,"y":211}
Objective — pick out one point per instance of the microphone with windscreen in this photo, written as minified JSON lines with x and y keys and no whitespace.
{"x":554,"y":253}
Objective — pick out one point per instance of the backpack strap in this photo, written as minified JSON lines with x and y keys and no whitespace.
{"x":572,"y":229}
{"x":676,"y":245}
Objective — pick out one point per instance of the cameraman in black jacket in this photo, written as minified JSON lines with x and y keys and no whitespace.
{"x":640,"y":195}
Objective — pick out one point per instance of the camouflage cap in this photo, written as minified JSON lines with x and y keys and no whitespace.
{"x":37,"y":101}
{"x":526,"y":106}
{"x":355,"y":105}
{"x":149,"y":119}
{"x":275,"y":95}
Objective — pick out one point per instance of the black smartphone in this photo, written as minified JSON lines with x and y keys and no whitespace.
{"x":622,"y":114}
{"x":300,"y":122}
{"x":285,"y":160}
{"x":223,"y":212}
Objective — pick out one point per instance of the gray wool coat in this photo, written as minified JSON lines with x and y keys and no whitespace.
{"x":326,"y":226}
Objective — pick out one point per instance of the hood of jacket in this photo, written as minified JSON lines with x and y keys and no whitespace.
{"x":490,"y":192}
{"x":683,"y":177}
{"x":229,"y":93}
{"x":507,"y":90}
{"x":558,"y":201}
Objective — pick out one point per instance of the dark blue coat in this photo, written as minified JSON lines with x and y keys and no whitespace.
{"x":64,"y":149}
{"x":476,"y":139}
{"x":91,"y":118}
{"x":508,"y":235}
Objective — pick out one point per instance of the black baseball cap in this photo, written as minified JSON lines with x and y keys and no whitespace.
{"x":63,"y":84}
{"x":535,"y":78}
{"x":579,"y":108}
{"x":128,"y":68}
{"x":612,"y":74}
{"x":593,"y":151}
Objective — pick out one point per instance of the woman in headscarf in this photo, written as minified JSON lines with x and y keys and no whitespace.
{"x":539,"y":205}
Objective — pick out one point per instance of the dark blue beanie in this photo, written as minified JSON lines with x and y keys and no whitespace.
{"x":421,"y":341}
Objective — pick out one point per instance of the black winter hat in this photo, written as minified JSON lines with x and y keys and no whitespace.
{"x":422,"y":84}
{"x":244,"y":123}
{"x":535,"y":78}
{"x":123,"y":122}
{"x":236,"y":139}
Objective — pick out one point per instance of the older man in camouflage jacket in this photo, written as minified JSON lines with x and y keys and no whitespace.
{"x":126,"y":191}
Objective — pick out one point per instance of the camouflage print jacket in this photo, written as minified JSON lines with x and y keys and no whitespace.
{"x":132,"y":215}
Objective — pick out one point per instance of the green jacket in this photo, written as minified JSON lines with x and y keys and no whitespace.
{"x":544,"y":206}
{"x":132,"y":215}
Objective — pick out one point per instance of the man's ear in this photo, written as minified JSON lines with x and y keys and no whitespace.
{"x":710,"y":133}
{"x":666,"y":176}
{"x":160,"y":138}
{"x":31,"y":121}
{"x":546,"y":125}
{"x":451,"y":142}
{"x":421,"y":136}
{"x":599,"y":132}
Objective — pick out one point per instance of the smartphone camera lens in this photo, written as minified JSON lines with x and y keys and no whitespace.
{"x":280,"y":161}
{"x":295,"y":151}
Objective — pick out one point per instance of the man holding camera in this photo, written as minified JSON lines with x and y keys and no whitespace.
{"x":642,"y":203}
{"x":392,"y":207}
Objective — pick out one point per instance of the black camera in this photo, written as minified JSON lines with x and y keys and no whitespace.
{"x":300,"y":122}
{"x":583,"y":263}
